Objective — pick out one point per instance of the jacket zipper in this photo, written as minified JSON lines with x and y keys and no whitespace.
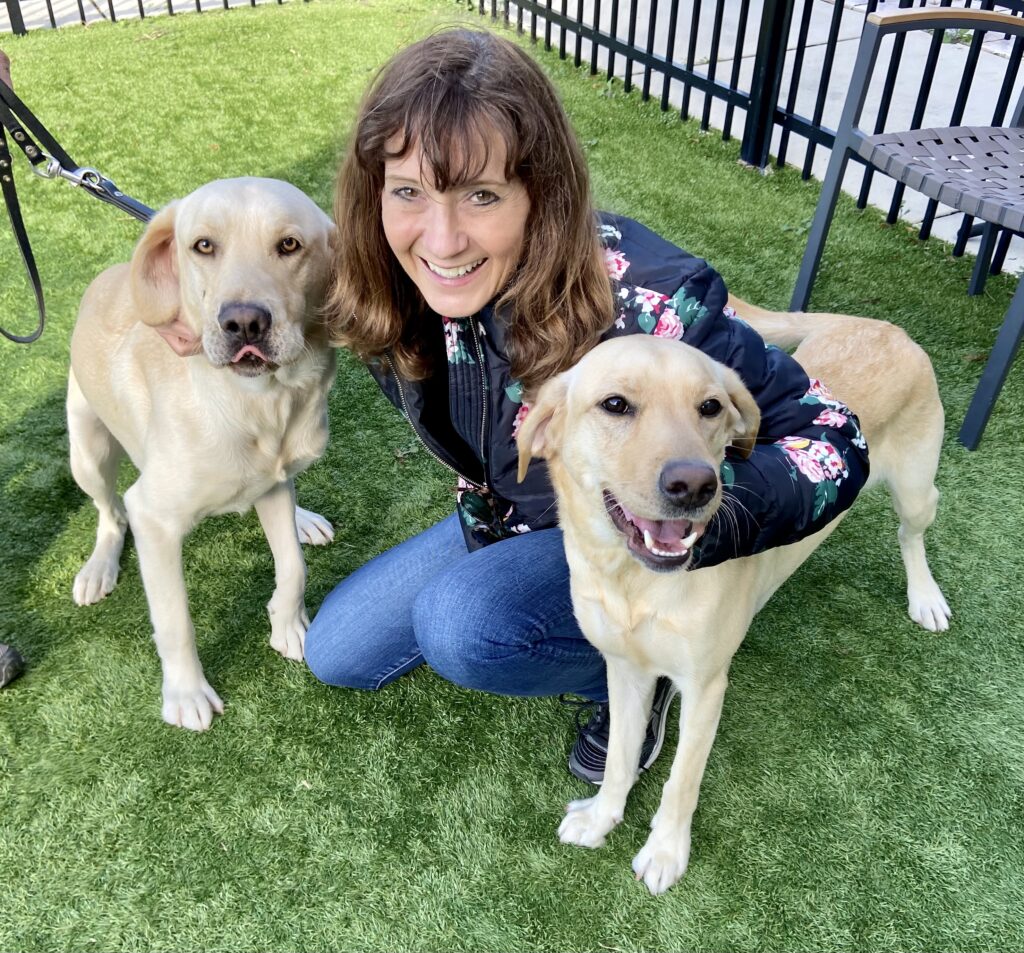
{"x":483,"y":391}
{"x":419,"y":436}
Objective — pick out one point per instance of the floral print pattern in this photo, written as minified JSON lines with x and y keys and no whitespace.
{"x":454,"y":345}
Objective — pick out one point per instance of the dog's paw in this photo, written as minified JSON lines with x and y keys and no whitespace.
{"x":313,"y":529}
{"x":95,"y":580}
{"x":662,"y":861}
{"x":587,"y":822}
{"x":288,"y":635}
{"x":191,"y":709}
{"x":928,"y":608}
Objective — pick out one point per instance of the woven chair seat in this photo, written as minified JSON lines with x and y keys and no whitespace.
{"x":977,"y":170}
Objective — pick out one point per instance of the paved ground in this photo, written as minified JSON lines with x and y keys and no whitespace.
{"x":37,"y":14}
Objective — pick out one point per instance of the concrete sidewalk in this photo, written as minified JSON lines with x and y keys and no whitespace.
{"x":979,"y":108}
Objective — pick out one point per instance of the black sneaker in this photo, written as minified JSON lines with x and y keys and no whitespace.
{"x":11,"y":664}
{"x":586,"y":760}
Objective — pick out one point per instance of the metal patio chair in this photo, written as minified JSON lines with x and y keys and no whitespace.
{"x":976,"y":170}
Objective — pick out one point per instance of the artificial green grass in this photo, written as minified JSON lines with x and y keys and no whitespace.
{"x":864,"y":789}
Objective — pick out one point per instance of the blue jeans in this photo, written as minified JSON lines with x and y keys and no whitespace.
{"x":498,"y":619}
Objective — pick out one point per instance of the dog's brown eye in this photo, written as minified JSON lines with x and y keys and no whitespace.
{"x":288,"y":246}
{"x":710,"y":408}
{"x":204,"y":246}
{"x":616,"y":404}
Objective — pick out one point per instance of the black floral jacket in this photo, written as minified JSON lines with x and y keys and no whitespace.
{"x":808,"y":466}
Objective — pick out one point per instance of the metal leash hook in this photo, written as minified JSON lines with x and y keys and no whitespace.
{"x":54,"y":170}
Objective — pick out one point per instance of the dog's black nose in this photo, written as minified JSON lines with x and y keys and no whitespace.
{"x":688,"y":483}
{"x":244,"y":322}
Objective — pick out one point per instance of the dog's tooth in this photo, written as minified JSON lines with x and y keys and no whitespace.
{"x":690,"y":540}
{"x":648,"y":540}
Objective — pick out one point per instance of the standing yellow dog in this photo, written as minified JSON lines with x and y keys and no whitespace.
{"x":609,"y":471}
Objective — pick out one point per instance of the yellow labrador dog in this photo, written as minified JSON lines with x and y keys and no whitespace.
{"x":688,"y":625}
{"x":239,"y":267}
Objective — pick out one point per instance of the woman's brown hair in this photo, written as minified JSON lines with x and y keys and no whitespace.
{"x":444,"y":94}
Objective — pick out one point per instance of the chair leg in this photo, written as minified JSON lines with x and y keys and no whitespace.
{"x":819,"y":227}
{"x":996,"y":369}
{"x":981,"y":263}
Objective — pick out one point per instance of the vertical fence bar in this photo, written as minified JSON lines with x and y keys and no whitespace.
{"x":17,"y":20}
{"x":737,"y":61}
{"x":716,"y":39}
{"x":561,"y":32}
{"x":826,"y":75}
{"x":931,"y":61}
{"x":966,"y":79}
{"x":691,"y":58}
{"x":631,"y":43}
{"x":49,"y":13}
{"x":768,"y":63}
{"x":615,"y":35}
{"x":794,"y":83}
{"x":670,"y":49}
{"x":651,"y":24}
{"x":547,"y":26}
{"x":883,"y":108}
{"x":110,"y":8}
{"x":594,"y":45}
{"x":81,"y":12}
{"x":578,"y":56}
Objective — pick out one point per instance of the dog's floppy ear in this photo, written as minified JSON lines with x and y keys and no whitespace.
{"x":540,"y":432}
{"x":746,"y":413}
{"x":154,"y":270}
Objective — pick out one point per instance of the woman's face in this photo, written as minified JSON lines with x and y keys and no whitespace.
{"x":459,"y":247}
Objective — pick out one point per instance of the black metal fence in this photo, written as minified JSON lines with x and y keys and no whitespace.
{"x":772,"y":67}
{"x":25,"y":15}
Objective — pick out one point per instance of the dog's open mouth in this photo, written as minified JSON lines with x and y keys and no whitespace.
{"x":661,"y":545}
{"x":250,"y":361}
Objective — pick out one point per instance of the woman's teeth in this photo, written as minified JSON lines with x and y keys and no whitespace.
{"x":454,"y":272}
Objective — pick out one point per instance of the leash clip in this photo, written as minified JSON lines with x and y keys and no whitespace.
{"x":83,"y":176}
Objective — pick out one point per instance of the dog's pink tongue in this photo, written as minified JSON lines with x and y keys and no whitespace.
{"x":666,"y":534}
{"x":249,"y":349}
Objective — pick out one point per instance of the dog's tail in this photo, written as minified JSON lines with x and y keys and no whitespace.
{"x":785,"y":329}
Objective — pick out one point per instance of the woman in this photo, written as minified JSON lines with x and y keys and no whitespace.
{"x":471,"y":267}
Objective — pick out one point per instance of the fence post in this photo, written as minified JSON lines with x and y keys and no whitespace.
{"x":17,"y":20}
{"x":764,"y":90}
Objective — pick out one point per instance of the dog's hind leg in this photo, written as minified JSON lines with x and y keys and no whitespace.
{"x":95,"y":456}
{"x":287,"y":606}
{"x":909,"y":471}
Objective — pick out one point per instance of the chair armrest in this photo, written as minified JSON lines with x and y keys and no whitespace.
{"x":949,"y":18}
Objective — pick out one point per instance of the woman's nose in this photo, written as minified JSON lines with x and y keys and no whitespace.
{"x":443,"y":235}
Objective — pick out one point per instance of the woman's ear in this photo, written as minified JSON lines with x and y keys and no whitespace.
{"x":154,"y":270}
{"x":746,"y":414}
{"x":541,"y":432}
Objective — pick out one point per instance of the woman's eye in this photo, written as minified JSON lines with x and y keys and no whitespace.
{"x":710,"y":408}
{"x":483,"y":197}
{"x":406,"y":192}
{"x":204,"y":246}
{"x":616,"y":404}
{"x":289,"y":245}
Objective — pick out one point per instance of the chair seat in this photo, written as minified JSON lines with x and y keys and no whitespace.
{"x":975,"y":169}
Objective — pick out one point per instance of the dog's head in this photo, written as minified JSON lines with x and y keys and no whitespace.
{"x":634,"y":436}
{"x":244,"y":263}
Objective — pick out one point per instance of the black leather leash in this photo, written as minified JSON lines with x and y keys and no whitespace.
{"x":49,"y":161}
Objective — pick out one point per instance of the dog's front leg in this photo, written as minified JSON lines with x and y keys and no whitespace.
{"x":287,"y":606}
{"x":188,"y":699}
{"x":663,"y":859}
{"x":630,"y":692}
